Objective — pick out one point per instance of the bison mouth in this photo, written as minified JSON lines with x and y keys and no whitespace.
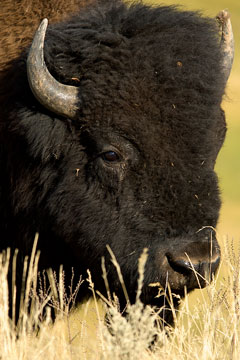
{"x":182,"y":269}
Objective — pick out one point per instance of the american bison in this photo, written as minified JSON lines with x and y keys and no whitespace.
{"x":109,"y":132}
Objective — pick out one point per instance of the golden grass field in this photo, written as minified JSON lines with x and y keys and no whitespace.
{"x":208,"y":326}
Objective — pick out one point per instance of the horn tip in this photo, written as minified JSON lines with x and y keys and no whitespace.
{"x":43,"y":25}
{"x":223,"y":16}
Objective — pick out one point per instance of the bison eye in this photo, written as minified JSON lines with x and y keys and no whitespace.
{"x":110,"y":156}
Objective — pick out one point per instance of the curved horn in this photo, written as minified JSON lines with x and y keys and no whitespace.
{"x":59,"y":98}
{"x":227,"y":41}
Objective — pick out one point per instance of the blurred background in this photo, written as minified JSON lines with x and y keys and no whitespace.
{"x":228,"y":163}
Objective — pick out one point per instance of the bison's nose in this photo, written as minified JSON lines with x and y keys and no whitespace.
{"x":201,"y":268}
{"x":193,"y":266}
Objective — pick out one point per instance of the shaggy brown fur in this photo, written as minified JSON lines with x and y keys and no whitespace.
{"x":19,"y":20}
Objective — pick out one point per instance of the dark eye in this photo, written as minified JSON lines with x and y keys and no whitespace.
{"x":110,"y":156}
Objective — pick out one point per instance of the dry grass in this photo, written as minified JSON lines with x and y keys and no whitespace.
{"x":209,"y":330}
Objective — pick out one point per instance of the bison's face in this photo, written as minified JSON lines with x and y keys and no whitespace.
{"x":153,"y":193}
{"x":127,"y":184}
{"x":133,"y":165}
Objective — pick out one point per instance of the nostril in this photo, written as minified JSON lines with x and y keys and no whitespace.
{"x":193,"y":264}
{"x":186,"y":266}
{"x":180,"y":265}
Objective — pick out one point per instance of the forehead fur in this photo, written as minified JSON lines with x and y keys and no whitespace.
{"x":140,"y":49}
{"x":141,"y":68}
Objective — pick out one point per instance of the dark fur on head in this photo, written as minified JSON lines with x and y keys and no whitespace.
{"x":150,"y":80}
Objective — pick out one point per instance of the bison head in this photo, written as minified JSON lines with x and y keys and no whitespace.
{"x":121,"y":148}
